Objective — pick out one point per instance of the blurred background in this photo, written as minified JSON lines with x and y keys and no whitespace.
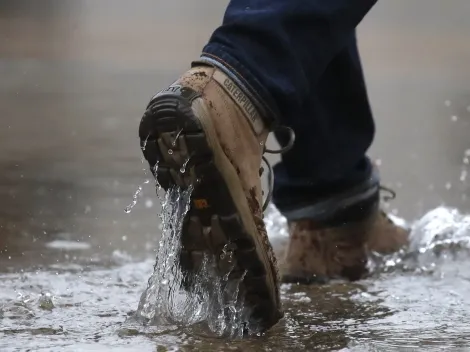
{"x":75,"y":76}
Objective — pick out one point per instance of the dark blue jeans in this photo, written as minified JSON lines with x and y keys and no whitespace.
{"x":300,"y":59}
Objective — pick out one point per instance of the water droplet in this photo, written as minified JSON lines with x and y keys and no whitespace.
{"x":170,"y":151}
{"x":183,"y":167}
{"x":135,"y":197}
{"x":144,"y":143}
{"x":454,"y":118}
{"x":176,"y":137}
{"x":448,"y":103}
{"x":463,"y":175}
{"x":448,"y":185}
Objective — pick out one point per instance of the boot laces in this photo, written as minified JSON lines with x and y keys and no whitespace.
{"x":389,"y":195}
{"x":282,"y":150}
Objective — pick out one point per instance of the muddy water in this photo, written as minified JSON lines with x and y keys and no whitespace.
{"x":413,"y":300}
{"x":74,"y":78}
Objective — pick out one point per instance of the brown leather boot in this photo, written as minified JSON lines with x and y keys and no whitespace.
{"x":204,"y":131}
{"x":335,"y":243}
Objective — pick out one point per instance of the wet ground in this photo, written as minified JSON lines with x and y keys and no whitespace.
{"x":74,"y":78}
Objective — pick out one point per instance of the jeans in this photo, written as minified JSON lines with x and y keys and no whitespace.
{"x":300,"y":59}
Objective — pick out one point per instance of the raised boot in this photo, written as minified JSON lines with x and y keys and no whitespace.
{"x":205,"y":132}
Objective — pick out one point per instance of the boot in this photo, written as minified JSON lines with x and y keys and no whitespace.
{"x":205,"y":132}
{"x":334,"y":243}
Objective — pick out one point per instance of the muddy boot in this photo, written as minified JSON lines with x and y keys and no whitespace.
{"x":205,"y":132}
{"x":334,"y":242}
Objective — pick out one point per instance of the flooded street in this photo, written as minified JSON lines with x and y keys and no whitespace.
{"x":75,"y":77}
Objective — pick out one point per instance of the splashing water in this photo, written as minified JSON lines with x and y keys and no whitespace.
{"x":135,"y":197}
{"x":156,"y":301}
{"x":278,"y":231}
{"x":441,"y":235}
{"x":212,"y":300}
{"x":138,"y":192}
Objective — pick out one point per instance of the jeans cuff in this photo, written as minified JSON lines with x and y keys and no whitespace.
{"x":352,"y":205}
{"x":214,"y":55}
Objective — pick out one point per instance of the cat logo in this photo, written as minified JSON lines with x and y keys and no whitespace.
{"x":201,"y":203}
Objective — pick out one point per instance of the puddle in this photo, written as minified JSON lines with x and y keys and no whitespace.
{"x":416,"y":299}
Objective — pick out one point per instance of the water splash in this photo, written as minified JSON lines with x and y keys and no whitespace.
{"x":135,"y":197}
{"x":212,"y":300}
{"x":155,"y":303}
{"x":441,"y":235}
{"x":276,"y":223}
{"x":278,"y":231}
{"x":138,"y":192}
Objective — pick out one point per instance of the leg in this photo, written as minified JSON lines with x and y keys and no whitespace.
{"x":331,"y":139}
{"x":208,"y":130}
{"x":280,"y":49}
{"x":327,"y":187}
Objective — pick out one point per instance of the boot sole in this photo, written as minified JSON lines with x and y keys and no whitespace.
{"x":219,"y":219}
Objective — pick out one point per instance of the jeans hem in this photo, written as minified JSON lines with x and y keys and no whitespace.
{"x":330,"y":209}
